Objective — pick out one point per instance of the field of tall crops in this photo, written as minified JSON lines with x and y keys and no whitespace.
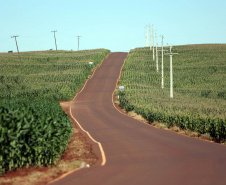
{"x":55,"y":74}
{"x":34,"y":131}
{"x":199,"y":102}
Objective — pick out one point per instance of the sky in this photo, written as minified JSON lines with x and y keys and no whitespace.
{"x":118,"y":25}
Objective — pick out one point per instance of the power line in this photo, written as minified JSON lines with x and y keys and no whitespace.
{"x":15,"y":36}
{"x":55,"y":38}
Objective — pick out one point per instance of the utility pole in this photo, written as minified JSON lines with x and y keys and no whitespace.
{"x":153,"y":49}
{"x":157,"y":66}
{"x":162,"y":65}
{"x":150,"y":35}
{"x":17,"y":46}
{"x":157,"y":63}
{"x":78,"y":41}
{"x":146,"y":36}
{"x":171,"y":72}
{"x":55,"y":38}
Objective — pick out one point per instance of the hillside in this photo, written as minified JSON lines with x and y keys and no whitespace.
{"x":55,"y":74}
{"x":199,"y":101}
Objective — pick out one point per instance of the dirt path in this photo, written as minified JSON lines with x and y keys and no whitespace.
{"x":133,"y":152}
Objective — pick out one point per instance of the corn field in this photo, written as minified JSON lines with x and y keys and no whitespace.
{"x":34,"y":130}
{"x":199,"y":102}
{"x":31,"y":139}
{"x":55,"y":74}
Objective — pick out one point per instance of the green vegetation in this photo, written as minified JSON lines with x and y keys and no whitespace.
{"x":34,"y":130}
{"x":199,"y":102}
{"x":50,"y":74}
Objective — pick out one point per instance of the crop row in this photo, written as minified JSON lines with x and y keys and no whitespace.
{"x":41,"y":78}
{"x":199,"y":91}
{"x":34,"y":130}
{"x":216,"y":127}
{"x":28,"y":138}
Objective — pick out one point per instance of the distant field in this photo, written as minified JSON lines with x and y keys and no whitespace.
{"x":199,"y":73}
{"x":34,"y":130}
{"x":55,"y":74}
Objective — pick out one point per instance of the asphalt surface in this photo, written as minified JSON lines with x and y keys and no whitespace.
{"x":137,"y":153}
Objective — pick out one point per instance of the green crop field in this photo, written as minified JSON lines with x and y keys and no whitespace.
{"x":34,"y":130}
{"x":55,"y":74}
{"x":199,"y":73}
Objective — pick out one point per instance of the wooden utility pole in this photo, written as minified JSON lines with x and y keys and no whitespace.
{"x":17,"y":46}
{"x":55,"y":38}
{"x":78,"y":40}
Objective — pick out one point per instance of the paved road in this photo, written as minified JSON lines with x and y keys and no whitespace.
{"x":137,"y":153}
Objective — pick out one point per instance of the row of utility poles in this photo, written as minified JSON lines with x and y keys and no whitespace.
{"x":154,"y":48}
{"x":15,"y":36}
{"x":55,"y":39}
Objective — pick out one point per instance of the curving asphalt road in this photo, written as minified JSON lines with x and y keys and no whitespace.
{"x":136,"y":153}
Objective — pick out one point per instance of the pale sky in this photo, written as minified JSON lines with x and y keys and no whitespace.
{"x":118,"y":25}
